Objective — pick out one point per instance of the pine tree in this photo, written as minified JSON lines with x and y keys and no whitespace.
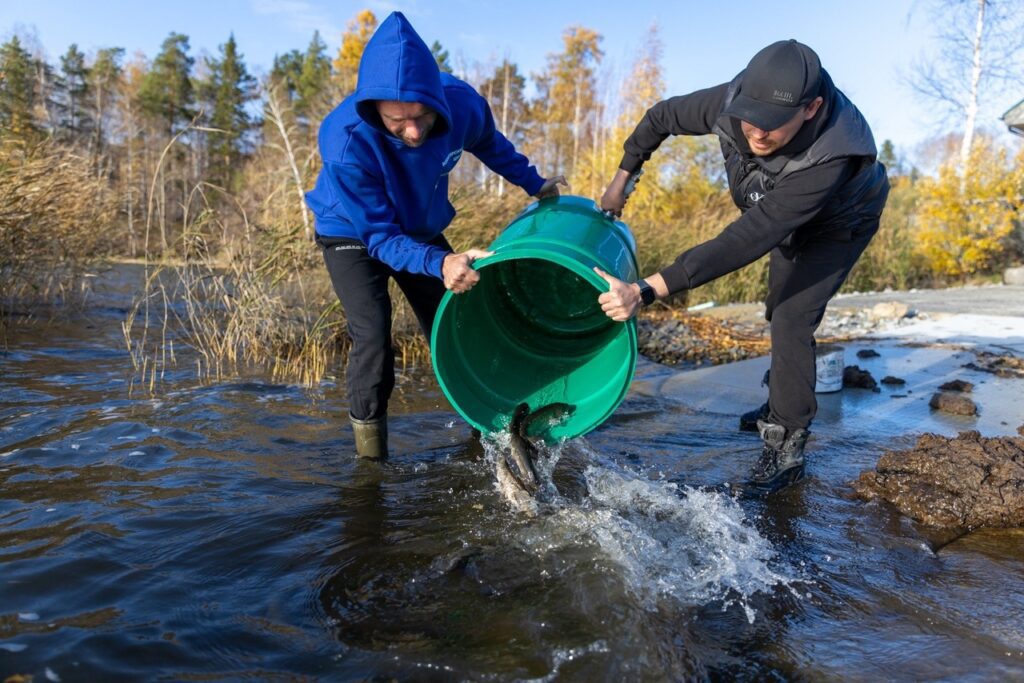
{"x":314,"y":81}
{"x":73,"y":90}
{"x":441,"y":56}
{"x":286,"y":72}
{"x":17,"y":91}
{"x":231,"y":88}
{"x":166,"y":93}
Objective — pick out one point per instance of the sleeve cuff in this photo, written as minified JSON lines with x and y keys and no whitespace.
{"x":533,"y":185}
{"x":434,"y":261}
{"x":631,"y":163}
{"x":676,"y":278}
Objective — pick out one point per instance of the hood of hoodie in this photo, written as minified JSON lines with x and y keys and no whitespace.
{"x":397,"y":65}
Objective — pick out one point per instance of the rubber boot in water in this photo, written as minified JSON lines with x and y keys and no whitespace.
{"x":782,"y":459}
{"x":371,"y":437}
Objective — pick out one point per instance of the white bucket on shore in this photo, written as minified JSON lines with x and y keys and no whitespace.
{"x":828,"y":361}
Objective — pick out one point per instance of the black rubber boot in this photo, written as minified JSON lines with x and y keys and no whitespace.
{"x":371,"y":437}
{"x":749,"y":419}
{"x":782,"y":459}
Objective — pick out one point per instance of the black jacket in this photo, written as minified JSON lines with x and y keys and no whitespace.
{"x":826,"y":179}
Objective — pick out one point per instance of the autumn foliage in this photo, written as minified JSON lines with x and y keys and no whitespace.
{"x":199,"y":170}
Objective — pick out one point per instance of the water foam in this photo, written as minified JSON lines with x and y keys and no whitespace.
{"x":666,"y":541}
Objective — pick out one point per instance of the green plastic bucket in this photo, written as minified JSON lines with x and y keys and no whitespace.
{"x":531,"y":330}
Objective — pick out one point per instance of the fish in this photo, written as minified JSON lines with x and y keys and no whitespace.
{"x":515,"y":470}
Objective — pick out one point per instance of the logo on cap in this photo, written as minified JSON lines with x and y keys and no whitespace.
{"x":783,"y":96}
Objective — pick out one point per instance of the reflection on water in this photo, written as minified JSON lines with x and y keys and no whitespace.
{"x":226,"y":531}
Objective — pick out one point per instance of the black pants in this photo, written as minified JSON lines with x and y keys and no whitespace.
{"x":801,"y":282}
{"x":361,"y":283}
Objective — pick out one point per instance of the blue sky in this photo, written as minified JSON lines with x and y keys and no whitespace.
{"x":865,"y":45}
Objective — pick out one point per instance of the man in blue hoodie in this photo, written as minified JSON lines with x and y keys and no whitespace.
{"x":381,"y":203}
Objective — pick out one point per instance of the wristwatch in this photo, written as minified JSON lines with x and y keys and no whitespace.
{"x":647,"y":293}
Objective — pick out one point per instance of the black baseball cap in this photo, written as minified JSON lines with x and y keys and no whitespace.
{"x":777,"y":82}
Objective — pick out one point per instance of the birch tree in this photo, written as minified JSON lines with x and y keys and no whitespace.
{"x":979,"y":53}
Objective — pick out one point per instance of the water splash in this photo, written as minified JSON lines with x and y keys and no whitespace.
{"x":665,"y":541}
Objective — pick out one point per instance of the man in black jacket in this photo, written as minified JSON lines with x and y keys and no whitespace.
{"x":802,"y":168}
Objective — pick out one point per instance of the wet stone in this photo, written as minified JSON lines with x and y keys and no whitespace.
{"x":856,"y":378}
{"x":958,"y":385}
{"x":954,"y":404}
{"x":868,"y":353}
{"x":893,"y":381}
{"x":966,"y":482}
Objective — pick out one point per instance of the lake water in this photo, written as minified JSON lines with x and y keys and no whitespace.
{"x":226,"y":532}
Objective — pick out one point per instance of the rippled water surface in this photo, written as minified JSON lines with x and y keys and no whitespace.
{"x":226,"y":531}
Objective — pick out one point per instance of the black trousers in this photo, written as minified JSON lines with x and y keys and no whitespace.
{"x":801,"y":282}
{"x":361,"y":283}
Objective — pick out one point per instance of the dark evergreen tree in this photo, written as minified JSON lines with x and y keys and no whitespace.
{"x":314,"y":80}
{"x":231,"y":88}
{"x":72,"y":90}
{"x":17,"y":91}
{"x":441,"y":55}
{"x":286,"y":73}
{"x":166,"y":92}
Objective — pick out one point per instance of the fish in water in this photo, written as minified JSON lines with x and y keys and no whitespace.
{"x":516,"y":473}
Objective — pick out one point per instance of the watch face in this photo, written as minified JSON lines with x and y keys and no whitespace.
{"x":647,"y":293}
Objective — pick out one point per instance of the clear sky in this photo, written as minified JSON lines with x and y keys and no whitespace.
{"x":866,"y":45}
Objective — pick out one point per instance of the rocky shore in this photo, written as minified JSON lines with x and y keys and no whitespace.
{"x":731,"y":333}
{"x":966,"y":482}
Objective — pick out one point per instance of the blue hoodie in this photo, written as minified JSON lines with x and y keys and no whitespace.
{"x":392,"y":197}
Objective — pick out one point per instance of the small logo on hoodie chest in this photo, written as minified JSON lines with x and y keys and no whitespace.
{"x":449,"y":161}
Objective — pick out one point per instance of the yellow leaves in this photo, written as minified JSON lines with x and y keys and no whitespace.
{"x":965,"y":219}
{"x":353,"y":42}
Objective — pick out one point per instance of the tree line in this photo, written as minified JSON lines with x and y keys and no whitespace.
{"x":194,"y":161}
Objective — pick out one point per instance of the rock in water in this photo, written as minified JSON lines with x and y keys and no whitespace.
{"x":967,"y":482}
{"x":853,"y":376}
{"x":955,"y":404}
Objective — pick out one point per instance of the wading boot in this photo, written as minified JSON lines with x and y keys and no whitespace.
{"x":371,"y":437}
{"x":749,"y":419}
{"x":782,"y":459}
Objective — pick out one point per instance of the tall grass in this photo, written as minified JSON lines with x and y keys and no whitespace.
{"x":55,"y":218}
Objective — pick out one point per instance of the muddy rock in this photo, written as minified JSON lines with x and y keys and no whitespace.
{"x":1001,"y":366}
{"x":966,"y":482}
{"x":893,"y":381}
{"x":953,"y":403}
{"x":854,"y":377}
{"x":868,"y":353}
{"x":958,"y":385}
